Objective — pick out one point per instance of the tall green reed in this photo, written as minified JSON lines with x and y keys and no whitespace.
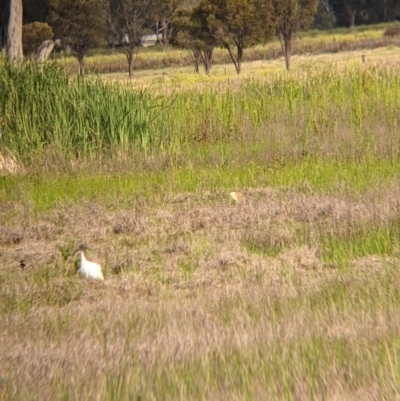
{"x":349,"y":114}
{"x":41,"y":108}
{"x":344,"y":114}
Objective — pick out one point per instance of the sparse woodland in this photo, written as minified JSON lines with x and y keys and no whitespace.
{"x":198,"y":26}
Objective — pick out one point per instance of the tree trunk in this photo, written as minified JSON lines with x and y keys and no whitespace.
{"x":130,"y":69}
{"x":351,"y":15}
{"x":287,"y":52}
{"x":352,"y":19}
{"x":232,"y":56}
{"x":239,"y":59}
{"x":196,"y":60}
{"x":206,"y":59}
{"x":208,"y":54}
{"x":129,"y":57}
{"x":14,"y":34}
{"x":81,"y":65}
{"x":384,"y":11}
{"x":286,"y":44}
{"x":159,"y":40}
{"x":164,"y":31}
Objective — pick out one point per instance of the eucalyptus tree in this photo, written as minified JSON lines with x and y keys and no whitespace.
{"x":81,"y":25}
{"x":34,"y":34}
{"x":289,"y":16}
{"x":242,"y":24}
{"x":197,"y":31}
{"x":182,"y":36}
{"x":128,"y":21}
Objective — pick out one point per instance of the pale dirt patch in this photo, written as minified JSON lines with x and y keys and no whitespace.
{"x":9,"y":165}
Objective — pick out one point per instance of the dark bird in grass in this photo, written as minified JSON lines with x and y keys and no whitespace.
{"x":22,"y":264}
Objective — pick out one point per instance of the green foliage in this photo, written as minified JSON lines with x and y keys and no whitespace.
{"x":196,"y":30}
{"x":324,"y":18}
{"x":81,"y":23}
{"x":46,"y":191}
{"x":34,"y":34}
{"x":356,"y":241}
{"x":232,"y":24}
{"x":240,"y":24}
{"x":181,"y":30}
{"x":290,"y":16}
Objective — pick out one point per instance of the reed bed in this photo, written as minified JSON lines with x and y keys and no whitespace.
{"x":344,"y":114}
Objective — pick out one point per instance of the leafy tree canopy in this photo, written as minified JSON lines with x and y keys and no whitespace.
{"x":34,"y":34}
{"x":239,"y":24}
{"x":195,"y":29}
{"x":81,"y":24}
{"x":290,"y":16}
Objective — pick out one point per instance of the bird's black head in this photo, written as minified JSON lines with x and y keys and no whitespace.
{"x":81,"y":248}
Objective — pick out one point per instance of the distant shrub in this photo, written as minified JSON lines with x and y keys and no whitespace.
{"x":392,"y":32}
{"x":33,"y":35}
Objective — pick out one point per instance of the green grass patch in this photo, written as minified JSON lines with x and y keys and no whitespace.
{"x":44,"y":192}
{"x":358,"y":241}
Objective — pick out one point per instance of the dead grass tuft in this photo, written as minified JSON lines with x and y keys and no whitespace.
{"x":302,"y":258}
{"x":128,"y":222}
{"x":9,"y":165}
{"x":392,"y":32}
{"x":9,"y":236}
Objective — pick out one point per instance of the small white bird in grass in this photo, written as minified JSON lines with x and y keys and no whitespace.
{"x":89,"y":269}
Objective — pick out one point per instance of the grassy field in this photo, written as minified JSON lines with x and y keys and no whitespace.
{"x":291,"y":294}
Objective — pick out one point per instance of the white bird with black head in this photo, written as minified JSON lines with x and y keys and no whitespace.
{"x":89,"y":269}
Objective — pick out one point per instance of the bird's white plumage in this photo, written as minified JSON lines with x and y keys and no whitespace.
{"x":90,"y":269}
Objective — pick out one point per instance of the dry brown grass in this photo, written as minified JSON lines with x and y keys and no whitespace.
{"x":392,"y":31}
{"x":185,"y":298}
{"x":8,"y":165}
